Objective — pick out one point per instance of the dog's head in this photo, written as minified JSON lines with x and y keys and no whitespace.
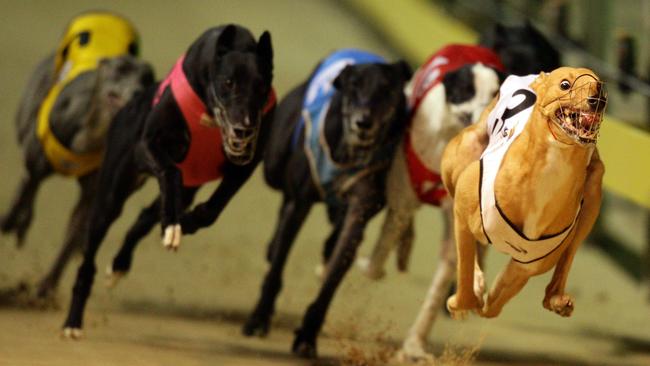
{"x":239,"y":88}
{"x":468,"y":90}
{"x":523,"y":49}
{"x":372,"y":99}
{"x":574,"y":99}
{"x":118,"y":79}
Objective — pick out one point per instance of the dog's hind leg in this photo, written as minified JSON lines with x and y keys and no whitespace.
{"x":402,"y":203}
{"x":74,"y":236}
{"x":291,"y":217}
{"x":19,"y":216}
{"x":413,"y":348}
{"x":404,"y":247}
{"x":509,"y":282}
{"x":147,"y":219}
{"x":395,"y":228}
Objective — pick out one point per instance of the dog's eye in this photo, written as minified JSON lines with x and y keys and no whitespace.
{"x":228,"y":83}
{"x":565,"y":85}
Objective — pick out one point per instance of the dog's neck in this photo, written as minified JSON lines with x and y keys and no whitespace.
{"x":193,"y":61}
{"x":546,"y":174}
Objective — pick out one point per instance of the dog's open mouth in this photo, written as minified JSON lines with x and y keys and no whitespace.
{"x":239,"y":143}
{"x":580,"y":111}
{"x":582,"y":126}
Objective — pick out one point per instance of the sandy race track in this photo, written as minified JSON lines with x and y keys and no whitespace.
{"x":187,"y":308}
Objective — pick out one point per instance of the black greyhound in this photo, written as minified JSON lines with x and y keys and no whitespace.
{"x":220,"y":89}
{"x":522,"y":49}
{"x":355,"y":135}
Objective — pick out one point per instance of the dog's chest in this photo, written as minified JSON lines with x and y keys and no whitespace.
{"x":332,"y":179}
{"x":505,"y":123}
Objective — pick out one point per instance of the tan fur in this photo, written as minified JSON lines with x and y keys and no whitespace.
{"x":539,"y":186}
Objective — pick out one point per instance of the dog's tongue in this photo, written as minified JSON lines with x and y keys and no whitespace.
{"x":588,"y":118}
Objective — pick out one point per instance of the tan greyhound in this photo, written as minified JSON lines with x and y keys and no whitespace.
{"x":527,"y":179}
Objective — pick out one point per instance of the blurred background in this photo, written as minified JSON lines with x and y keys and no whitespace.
{"x":187,"y":308}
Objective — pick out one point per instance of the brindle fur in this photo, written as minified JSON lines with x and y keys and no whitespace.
{"x":287,"y":169}
{"x":79,"y":119}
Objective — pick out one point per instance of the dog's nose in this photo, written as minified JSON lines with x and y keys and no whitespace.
{"x":465,"y":118}
{"x":597,"y":103}
{"x":242,"y":133}
{"x":364,"y":124}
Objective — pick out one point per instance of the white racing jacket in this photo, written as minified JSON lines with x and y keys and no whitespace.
{"x":506,"y":121}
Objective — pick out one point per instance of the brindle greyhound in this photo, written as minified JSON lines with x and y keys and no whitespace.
{"x":78,"y":118}
{"x":335,"y":150}
{"x":220,"y":87}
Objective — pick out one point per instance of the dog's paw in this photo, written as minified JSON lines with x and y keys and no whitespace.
{"x":256,"y":326}
{"x":369,"y":270}
{"x":319,"y":271}
{"x":172,"y":237}
{"x":303,"y":347}
{"x":113,"y":277}
{"x":413,"y":352}
{"x":459,"y":308}
{"x":72,"y":333}
{"x":560,"y":304}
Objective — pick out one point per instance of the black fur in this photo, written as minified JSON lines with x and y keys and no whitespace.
{"x":232,"y":74}
{"x":374,"y":86}
{"x":523,"y":49}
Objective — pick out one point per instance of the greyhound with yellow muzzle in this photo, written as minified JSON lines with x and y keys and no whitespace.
{"x":64,"y":114}
{"x":527,"y":178}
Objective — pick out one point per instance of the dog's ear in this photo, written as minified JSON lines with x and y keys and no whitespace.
{"x":226,"y":40}
{"x":500,"y":36}
{"x":343,"y":76}
{"x":529,"y":27}
{"x":404,"y":69}
{"x":265,"y":56}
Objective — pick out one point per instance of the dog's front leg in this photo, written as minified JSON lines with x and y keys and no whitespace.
{"x":206,"y":213}
{"x":359,"y":212}
{"x":74,"y":236}
{"x":465,"y":298}
{"x":170,"y":182}
{"x":291,"y":218}
{"x":555,"y":299}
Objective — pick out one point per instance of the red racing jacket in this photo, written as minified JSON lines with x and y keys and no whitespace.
{"x":427,"y":183}
{"x":205,"y":156}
